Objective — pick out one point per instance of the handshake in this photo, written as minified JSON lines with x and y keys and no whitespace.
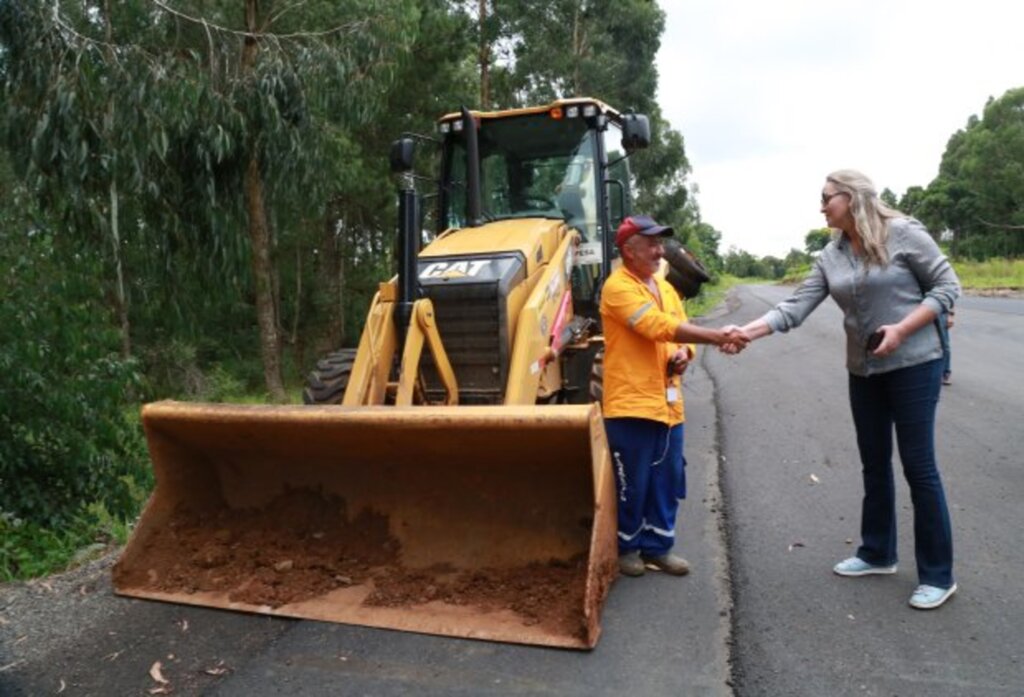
{"x":732,"y":339}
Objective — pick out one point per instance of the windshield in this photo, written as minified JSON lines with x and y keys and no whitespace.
{"x":530,"y":166}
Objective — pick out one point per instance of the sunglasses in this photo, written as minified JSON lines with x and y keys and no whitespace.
{"x":825,"y":198}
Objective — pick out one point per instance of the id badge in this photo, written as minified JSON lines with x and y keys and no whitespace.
{"x":672,"y":394}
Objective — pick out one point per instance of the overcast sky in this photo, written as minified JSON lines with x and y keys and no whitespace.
{"x":772,"y":96}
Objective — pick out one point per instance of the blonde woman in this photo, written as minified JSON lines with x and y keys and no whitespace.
{"x":891,"y":281}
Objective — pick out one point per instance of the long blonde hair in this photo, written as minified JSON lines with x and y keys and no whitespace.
{"x":870,"y":214}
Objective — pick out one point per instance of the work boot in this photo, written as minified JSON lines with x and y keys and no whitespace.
{"x":669,"y":563}
{"x":630,"y":564}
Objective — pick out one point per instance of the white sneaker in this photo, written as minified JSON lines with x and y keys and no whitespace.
{"x":931,"y":597}
{"x":855,"y":566}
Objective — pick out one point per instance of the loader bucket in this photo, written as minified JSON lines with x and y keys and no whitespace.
{"x":483,"y":522}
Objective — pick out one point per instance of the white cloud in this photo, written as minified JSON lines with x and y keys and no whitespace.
{"x":770,"y":97}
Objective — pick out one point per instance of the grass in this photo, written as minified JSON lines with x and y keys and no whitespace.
{"x":991,"y":274}
{"x":711,"y":294}
{"x":994,"y":274}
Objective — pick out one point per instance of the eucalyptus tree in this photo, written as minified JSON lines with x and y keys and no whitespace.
{"x":605,"y":49}
{"x":214,"y":119}
{"x":355,"y":243}
{"x":980,"y":186}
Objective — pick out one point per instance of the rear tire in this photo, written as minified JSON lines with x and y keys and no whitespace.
{"x":327,"y":383}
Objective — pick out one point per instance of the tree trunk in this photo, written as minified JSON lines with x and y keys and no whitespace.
{"x":485,"y":60}
{"x":263,"y":280}
{"x":259,"y":238}
{"x":122,"y":295}
{"x":115,"y":216}
{"x":577,"y":51}
{"x":331,"y":273}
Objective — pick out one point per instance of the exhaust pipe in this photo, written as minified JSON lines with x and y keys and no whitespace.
{"x":473,"y":206}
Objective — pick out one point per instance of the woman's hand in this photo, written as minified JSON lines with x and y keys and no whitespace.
{"x":892,"y":338}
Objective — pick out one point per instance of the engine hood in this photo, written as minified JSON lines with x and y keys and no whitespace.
{"x":534,"y":240}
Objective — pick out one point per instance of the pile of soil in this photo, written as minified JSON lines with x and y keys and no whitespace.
{"x":303,"y":545}
{"x":550,"y":593}
{"x":299,"y":546}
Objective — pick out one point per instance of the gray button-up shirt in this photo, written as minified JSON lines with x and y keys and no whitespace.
{"x":870,"y":296}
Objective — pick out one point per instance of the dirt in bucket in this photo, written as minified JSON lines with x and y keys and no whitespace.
{"x":303,"y":545}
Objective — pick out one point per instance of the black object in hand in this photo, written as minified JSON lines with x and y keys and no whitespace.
{"x":875,"y":339}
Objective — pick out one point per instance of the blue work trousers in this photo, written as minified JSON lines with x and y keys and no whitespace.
{"x":907,"y":399}
{"x":650,"y":478}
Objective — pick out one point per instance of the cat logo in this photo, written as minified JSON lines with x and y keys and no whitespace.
{"x":454,"y":269}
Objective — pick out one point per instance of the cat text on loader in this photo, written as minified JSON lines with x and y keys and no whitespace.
{"x":462,"y":490}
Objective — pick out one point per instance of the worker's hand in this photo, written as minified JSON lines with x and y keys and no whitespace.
{"x":735,"y":340}
{"x":679,"y":361}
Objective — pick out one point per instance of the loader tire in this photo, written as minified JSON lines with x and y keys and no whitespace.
{"x":597,"y":377}
{"x":326,"y":384}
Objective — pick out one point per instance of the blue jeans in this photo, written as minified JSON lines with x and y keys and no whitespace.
{"x":647,"y":458}
{"x":907,"y":399}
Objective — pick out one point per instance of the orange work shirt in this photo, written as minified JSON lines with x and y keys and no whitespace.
{"x":639,"y":331}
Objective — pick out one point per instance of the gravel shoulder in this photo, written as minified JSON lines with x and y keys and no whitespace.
{"x":70,"y":634}
{"x":38,"y":617}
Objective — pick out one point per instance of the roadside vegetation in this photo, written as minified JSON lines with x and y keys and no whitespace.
{"x":189,"y":214}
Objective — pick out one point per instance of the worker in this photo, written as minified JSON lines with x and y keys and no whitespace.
{"x":648,"y":345}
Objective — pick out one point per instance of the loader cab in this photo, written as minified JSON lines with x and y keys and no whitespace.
{"x":566,"y":161}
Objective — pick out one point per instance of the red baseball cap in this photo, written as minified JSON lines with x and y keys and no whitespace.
{"x":640,"y":225}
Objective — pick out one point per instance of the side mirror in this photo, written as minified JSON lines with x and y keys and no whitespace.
{"x":636,"y":132}
{"x":401,"y":156}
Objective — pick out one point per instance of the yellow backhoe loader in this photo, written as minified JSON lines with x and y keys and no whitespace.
{"x":450,"y":475}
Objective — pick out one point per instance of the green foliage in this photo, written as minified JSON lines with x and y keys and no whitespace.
{"x":28,"y":549}
{"x":978,"y":193}
{"x":817,"y":240}
{"x":64,"y":435}
{"x":178,"y":128}
{"x":743,"y":264}
{"x":796,"y":274}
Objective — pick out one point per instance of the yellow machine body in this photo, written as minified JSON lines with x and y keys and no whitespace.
{"x":455,"y":490}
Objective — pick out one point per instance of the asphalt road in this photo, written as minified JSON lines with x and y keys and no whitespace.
{"x":791,"y":482}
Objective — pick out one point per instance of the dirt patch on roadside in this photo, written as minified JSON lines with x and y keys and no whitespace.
{"x":303,"y":545}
